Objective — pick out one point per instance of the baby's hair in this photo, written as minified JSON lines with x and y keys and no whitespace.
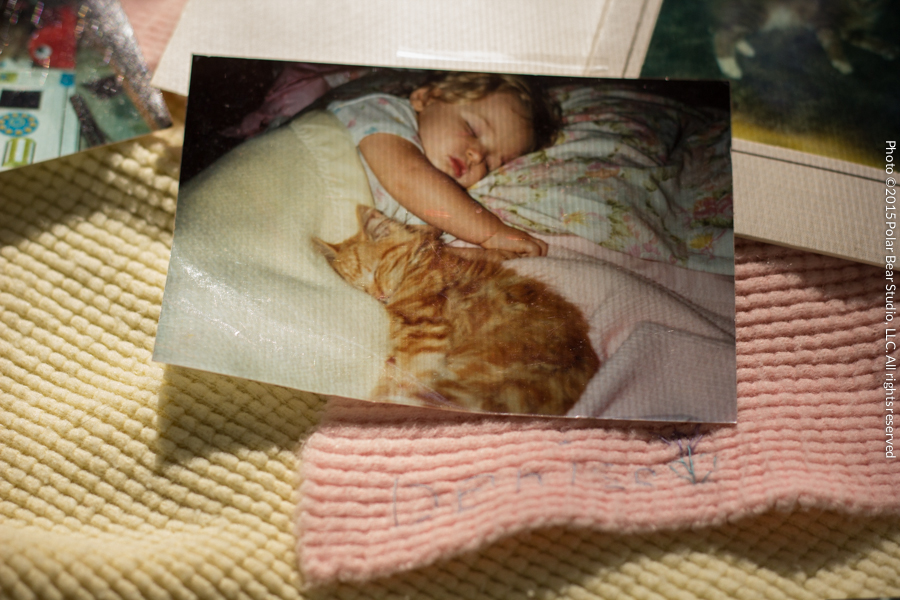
{"x":468,"y":87}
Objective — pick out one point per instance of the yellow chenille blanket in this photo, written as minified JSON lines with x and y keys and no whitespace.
{"x":123,"y":478}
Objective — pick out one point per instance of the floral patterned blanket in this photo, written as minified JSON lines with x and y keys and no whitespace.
{"x":635,"y":172}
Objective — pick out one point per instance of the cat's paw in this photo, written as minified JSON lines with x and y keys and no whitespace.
{"x":499,"y":255}
{"x":729,"y":67}
{"x":843,"y":66}
{"x":745,"y":48}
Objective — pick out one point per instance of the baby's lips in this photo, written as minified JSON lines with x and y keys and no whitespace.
{"x":459,"y":168}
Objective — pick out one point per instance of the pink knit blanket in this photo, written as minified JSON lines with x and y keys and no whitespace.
{"x":153,"y":22}
{"x":387,"y":488}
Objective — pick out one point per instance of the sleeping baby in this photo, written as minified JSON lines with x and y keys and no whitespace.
{"x":422,"y":153}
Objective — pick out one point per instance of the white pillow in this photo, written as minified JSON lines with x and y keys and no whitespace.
{"x":247,"y":294}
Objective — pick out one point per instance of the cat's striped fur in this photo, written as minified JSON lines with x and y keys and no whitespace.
{"x":465,"y":333}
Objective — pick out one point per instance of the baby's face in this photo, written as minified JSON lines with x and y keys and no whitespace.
{"x":467,"y":140}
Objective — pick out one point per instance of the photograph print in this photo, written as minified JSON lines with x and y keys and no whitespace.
{"x":484,"y":242}
{"x":818,"y":76}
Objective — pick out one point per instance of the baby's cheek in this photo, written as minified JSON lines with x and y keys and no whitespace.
{"x":478,"y":173}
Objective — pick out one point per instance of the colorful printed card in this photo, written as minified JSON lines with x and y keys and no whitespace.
{"x":71,"y":78}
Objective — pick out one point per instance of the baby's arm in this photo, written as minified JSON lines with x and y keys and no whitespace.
{"x":434,"y":197}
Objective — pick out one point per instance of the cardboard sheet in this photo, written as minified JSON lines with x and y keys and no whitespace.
{"x":808,"y":202}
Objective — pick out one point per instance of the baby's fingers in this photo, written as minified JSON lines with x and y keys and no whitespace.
{"x":531,"y":247}
{"x":542,"y":246}
{"x":528,"y":248}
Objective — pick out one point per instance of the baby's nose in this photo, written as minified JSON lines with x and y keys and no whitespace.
{"x":475,"y":154}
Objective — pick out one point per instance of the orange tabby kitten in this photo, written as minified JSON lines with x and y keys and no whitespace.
{"x":465,"y":333}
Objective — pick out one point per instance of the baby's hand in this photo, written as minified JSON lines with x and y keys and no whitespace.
{"x":514,"y":240}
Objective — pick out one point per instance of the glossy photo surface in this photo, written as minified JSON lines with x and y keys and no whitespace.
{"x":463,"y":241}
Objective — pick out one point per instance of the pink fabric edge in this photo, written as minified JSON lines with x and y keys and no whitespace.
{"x":390,"y":488}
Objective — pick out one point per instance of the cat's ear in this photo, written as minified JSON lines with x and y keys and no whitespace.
{"x":375,"y":225}
{"x":327,"y":250}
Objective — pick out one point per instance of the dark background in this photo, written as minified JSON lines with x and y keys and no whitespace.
{"x":222,"y":91}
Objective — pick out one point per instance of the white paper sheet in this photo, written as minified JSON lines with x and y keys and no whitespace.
{"x":569,"y":37}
